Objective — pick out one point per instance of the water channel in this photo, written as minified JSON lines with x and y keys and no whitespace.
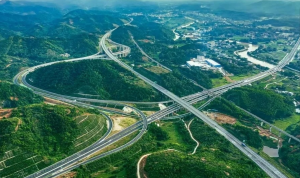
{"x":251,"y":48}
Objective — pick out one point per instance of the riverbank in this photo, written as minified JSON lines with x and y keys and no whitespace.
{"x":244,"y":54}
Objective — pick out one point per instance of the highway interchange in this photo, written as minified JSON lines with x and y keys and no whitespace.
{"x":76,"y":160}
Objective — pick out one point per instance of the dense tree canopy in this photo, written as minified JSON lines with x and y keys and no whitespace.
{"x":40,"y":129}
{"x":12,"y":96}
{"x":105,"y":79}
{"x":263,"y":103}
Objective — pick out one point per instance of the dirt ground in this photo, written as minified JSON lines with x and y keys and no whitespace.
{"x":19,"y":123}
{"x":146,"y":41}
{"x":117,"y":122}
{"x":14,"y":99}
{"x":142,"y":166}
{"x":145,"y":59}
{"x":148,"y":113}
{"x":221,"y":118}
{"x":53,"y":102}
{"x":122,"y":122}
{"x":68,"y":175}
{"x":5,"y":113}
{"x":264,"y":132}
{"x":229,"y":79}
{"x":267,"y":133}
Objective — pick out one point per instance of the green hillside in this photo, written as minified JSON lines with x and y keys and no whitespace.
{"x":17,"y":52}
{"x":263,"y":103}
{"x":103,"y":79}
{"x":12,"y":96}
{"x":215,"y":157}
{"x":290,"y":153}
{"x":150,"y":31}
{"x":36,"y":136}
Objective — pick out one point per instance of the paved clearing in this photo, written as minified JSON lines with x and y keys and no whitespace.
{"x":271,"y":152}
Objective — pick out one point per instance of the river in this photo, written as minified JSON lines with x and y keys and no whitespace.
{"x":251,"y":48}
{"x":177,"y":36}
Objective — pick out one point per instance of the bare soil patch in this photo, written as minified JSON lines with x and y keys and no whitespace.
{"x":222,"y":118}
{"x":54,"y":102}
{"x":148,"y":113}
{"x":121,"y":122}
{"x":14,"y":98}
{"x":19,"y":123}
{"x":142,"y":166}
{"x":146,"y":41}
{"x":229,"y":79}
{"x":68,"y":175}
{"x":5,"y":113}
{"x":145,"y":59}
{"x":117,"y":121}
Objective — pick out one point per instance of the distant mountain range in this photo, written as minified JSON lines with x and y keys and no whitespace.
{"x":268,"y":7}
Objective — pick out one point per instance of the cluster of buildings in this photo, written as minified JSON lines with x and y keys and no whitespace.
{"x":66,"y":55}
{"x":203,"y":63}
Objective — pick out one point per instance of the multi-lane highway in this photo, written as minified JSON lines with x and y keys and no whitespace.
{"x":184,"y":102}
{"x":267,"y":167}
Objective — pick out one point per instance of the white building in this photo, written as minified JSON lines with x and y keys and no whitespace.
{"x":195,"y":64}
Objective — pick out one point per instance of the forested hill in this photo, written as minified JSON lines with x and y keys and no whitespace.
{"x":38,"y":39}
{"x":263,"y":103}
{"x":146,"y":31}
{"x":12,"y":96}
{"x":103,"y":79}
{"x":94,"y":22}
{"x":42,"y":127}
{"x":36,"y":136}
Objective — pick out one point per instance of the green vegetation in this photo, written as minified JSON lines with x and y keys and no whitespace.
{"x":286,"y":122}
{"x":42,"y":130}
{"x":173,"y":81}
{"x":82,"y":21}
{"x":272,"y":52}
{"x":37,"y":136}
{"x":159,"y":134}
{"x":36,"y":40}
{"x":251,"y":137}
{"x":91,"y":129}
{"x":240,"y":67}
{"x":263,"y":103}
{"x":12,"y":96}
{"x":179,"y":55}
{"x":290,"y":155}
{"x":103,"y":79}
{"x":43,"y":49}
{"x":217,"y":82}
{"x":224,"y":106}
{"x":215,"y":156}
{"x":146,"y":31}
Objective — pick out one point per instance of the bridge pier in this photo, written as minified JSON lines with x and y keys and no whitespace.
{"x":290,"y":140}
{"x":262,"y":124}
{"x":279,"y":135}
{"x":271,"y":129}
